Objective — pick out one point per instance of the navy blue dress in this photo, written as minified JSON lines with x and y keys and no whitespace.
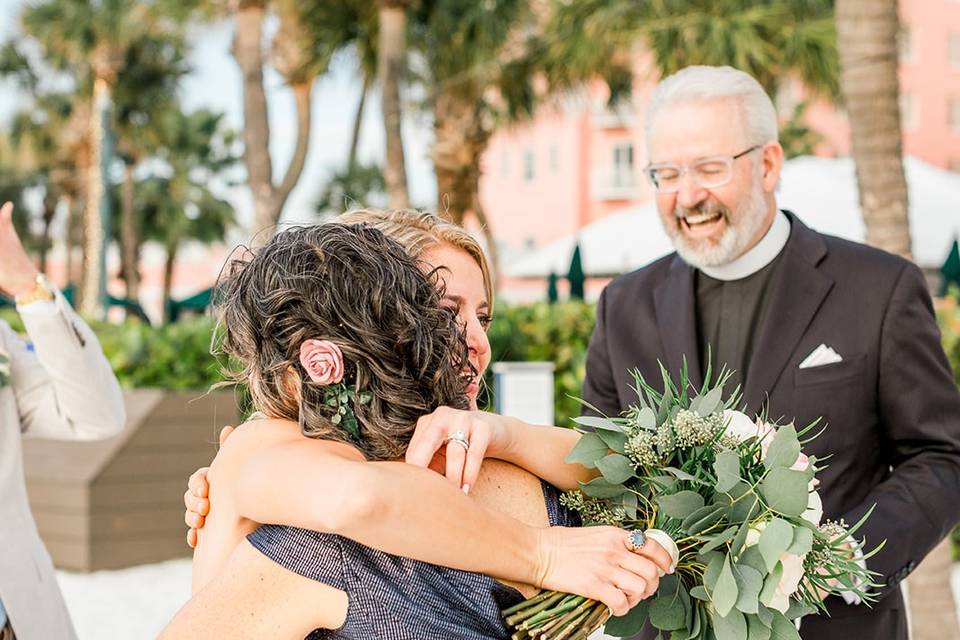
{"x":396,"y":598}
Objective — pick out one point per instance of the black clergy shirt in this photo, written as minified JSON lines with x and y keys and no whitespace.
{"x":730,"y":314}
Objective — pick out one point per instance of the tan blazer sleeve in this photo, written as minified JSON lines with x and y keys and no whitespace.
{"x":64,"y":386}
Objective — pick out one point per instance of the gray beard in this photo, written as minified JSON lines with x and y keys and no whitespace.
{"x":735,"y":239}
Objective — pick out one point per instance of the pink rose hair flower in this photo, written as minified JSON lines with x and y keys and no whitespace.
{"x":322,"y":361}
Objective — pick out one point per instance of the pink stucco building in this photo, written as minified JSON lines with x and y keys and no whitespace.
{"x":578,"y":161}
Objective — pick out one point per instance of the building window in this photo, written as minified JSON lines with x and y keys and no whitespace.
{"x":623,"y":165}
{"x":905,"y":43}
{"x":554,"y":158}
{"x":528,"y":165}
{"x":908,"y":110}
{"x":953,"y":113}
{"x":953,"y":48}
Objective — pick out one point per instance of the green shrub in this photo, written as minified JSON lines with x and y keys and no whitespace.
{"x":557,"y":333}
{"x":174,"y":356}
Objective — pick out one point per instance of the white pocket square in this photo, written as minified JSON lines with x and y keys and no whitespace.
{"x":821,"y":356}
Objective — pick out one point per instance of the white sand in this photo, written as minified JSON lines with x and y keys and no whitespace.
{"x":136,"y":603}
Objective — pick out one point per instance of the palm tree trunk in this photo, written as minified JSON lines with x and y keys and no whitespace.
{"x":248,"y":51}
{"x":69,"y":225}
{"x":128,"y":235}
{"x":168,"y":266}
{"x":867,"y":42}
{"x":357,"y":121}
{"x":460,"y":140}
{"x":933,"y":613}
{"x":49,"y":212}
{"x":93,"y":236}
{"x":301,"y":95}
{"x":391,"y":64}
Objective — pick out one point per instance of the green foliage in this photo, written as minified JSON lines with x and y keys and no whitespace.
{"x":174,"y":356}
{"x":556,"y":333}
{"x":724,"y":492}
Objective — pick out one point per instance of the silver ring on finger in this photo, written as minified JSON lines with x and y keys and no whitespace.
{"x":636,"y":540}
{"x":460,"y":437}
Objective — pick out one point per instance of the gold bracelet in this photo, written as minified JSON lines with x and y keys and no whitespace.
{"x":42,"y":290}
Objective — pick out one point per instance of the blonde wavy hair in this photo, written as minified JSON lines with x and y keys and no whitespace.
{"x":419,"y":231}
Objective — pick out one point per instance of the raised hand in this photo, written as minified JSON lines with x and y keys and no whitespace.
{"x":17,"y":271}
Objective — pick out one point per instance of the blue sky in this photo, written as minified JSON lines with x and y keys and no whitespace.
{"x":214,"y":83}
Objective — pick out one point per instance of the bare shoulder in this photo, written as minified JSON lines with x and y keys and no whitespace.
{"x":253,"y":597}
{"x":516,"y":492}
{"x":249,"y":438}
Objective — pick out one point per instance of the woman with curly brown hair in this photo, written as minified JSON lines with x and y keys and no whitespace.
{"x":435,"y":523}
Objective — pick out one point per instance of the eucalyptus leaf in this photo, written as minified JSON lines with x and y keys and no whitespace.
{"x":774,"y":541}
{"x":783,"y":629}
{"x":727,"y":469}
{"x":718,"y":540}
{"x":749,"y":584}
{"x":711,"y":574}
{"x":589,"y":449}
{"x":710,"y":402}
{"x":630,"y":624}
{"x":756,"y":630}
{"x":596,"y":422}
{"x":751,"y":557}
{"x":680,"y":505}
{"x":600,"y":488}
{"x":700,"y":593}
{"x":741,"y":538}
{"x":725,"y":592}
{"x":798,"y":609}
{"x":785,"y":491}
{"x":647,"y":419}
{"x":784,"y":450}
{"x":802,"y":541}
{"x":702,"y":519}
{"x":765,"y":615}
{"x":770,"y":584}
{"x":682,"y":475}
{"x":666,"y":612}
{"x":616,"y":469}
{"x":630,"y":504}
{"x":730,"y":627}
{"x":616,"y":440}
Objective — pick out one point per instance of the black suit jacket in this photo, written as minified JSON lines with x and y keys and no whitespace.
{"x":891,"y":406}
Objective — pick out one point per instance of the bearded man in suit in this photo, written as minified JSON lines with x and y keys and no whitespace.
{"x":815,"y":327}
{"x":59,"y":386}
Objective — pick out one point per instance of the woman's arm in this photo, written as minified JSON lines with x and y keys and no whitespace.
{"x":410,"y":511}
{"x":541,"y":450}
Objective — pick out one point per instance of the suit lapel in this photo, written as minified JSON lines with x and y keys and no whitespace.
{"x":677,"y":321}
{"x":798,"y":289}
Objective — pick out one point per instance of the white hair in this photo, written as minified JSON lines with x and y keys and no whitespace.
{"x":708,"y":84}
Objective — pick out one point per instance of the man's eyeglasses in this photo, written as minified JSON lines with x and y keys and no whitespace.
{"x":708,"y":173}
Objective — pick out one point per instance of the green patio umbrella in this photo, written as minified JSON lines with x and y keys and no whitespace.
{"x":552,"y":294}
{"x":951,"y":270}
{"x":576,"y":275}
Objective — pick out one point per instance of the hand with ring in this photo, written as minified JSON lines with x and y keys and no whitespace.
{"x":454,"y":443}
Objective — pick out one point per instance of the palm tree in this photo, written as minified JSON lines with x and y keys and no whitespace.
{"x":88,"y":41}
{"x":178,"y":204}
{"x":477,"y":76}
{"x":145,"y":91}
{"x":772,"y":40}
{"x":867,"y":40}
{"x":391,"y":68}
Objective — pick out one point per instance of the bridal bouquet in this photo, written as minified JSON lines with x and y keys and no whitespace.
{"x":734,"y":500}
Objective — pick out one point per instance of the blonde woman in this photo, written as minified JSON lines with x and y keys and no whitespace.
{"x":280,"y":484}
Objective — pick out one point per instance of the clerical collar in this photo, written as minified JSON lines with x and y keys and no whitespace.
{"x":759,"y":256}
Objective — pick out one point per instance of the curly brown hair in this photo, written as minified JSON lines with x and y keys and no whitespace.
{"x":357,"y":288}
